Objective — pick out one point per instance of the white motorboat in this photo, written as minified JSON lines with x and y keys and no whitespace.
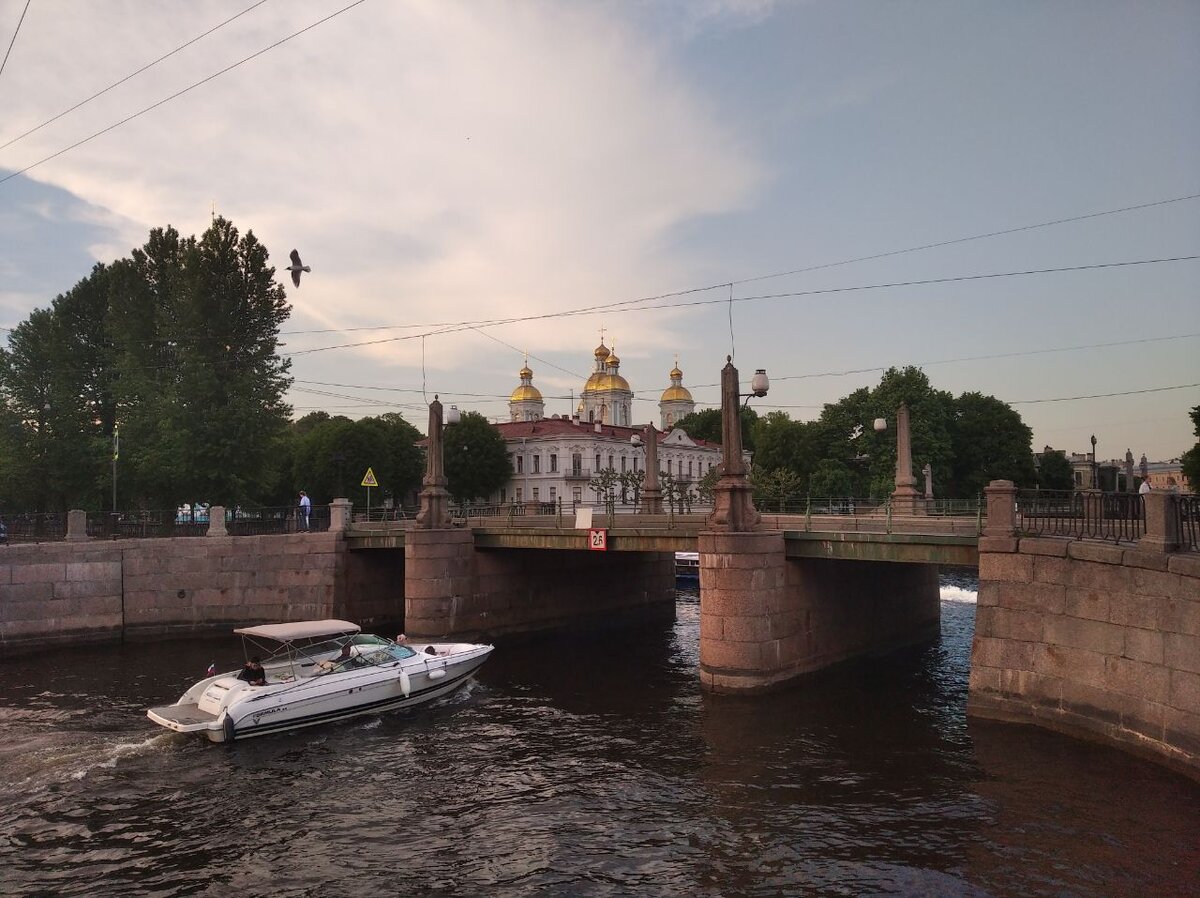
{"x":316,"y":672}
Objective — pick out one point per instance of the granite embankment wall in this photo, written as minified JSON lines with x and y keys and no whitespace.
{"x":1092,"y":640}
{"x":91,"y":591}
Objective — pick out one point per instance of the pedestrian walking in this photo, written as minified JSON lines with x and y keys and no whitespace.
{"x":305,"y":509}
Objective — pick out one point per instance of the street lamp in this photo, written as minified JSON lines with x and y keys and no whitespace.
{"x":1095,"y":481}
{"x":734,"y":510}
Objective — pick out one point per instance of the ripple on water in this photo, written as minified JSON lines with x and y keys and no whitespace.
{"x":590,"y":767}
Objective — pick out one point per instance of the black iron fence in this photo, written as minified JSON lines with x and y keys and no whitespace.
{"x":146,"y":524}
{"x":1187,"y":511}
{"x":1117,"y":517}
{"x":33,"y":528}
{"x":267,"y":520}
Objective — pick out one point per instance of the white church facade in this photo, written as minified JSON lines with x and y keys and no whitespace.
{"x":555,"y":459}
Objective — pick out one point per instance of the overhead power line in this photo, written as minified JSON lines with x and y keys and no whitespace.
{"x":884,"y":255}
{"x":1102,"y":395}
{"x":616,"y":307}
{"x":148,"y":65}
{"x":180,"y":93}
{"x":4,"y":62}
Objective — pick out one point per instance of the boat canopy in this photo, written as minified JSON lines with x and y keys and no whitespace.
{"x":301,"y":629}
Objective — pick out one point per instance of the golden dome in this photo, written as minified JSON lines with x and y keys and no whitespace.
{"x":525,"y":372}
{"x":675,"y":394}
{"x":675,"y":372}
{"x":613,"y":361}
{"x":525,"y":392}
{"x":605,"y":383}
{"x":601,"y":352}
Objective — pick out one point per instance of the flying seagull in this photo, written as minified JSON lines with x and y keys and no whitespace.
{"x":296,"y":267}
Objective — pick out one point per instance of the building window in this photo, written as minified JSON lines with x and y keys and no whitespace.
{"x":535,"y":494}
{"x":597,"y":471}
{"x":576,"y":464}
{"x":553,"y":493}
{"x":669,"y":467}
{"x":635,"y":464}
{"x":610,"y":462}
{"x":519,"y":499}
{"x":689,"y":470}
{"x":577,"y":494}
{"x":622,"y":464}
{"x":537,"y":464}
{"x":520,"y":464}
{"x":553,"y":463}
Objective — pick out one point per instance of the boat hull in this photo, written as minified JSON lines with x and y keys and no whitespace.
{"x":312,"y":701}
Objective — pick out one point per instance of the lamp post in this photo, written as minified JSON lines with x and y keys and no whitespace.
{"x":435,"y":499}
{"x":734,"y":510}
{"x":1095,"y":480}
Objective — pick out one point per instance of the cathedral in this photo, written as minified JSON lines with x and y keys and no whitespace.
{"x":606,"y":397}
{"x":555,"y":459}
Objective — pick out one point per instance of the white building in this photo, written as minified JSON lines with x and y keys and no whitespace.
{"x":556,"y":458}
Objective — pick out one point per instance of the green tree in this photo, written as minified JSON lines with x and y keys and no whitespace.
{"x":781,"y":443}
{"x":605,"y":484}
{"x":990,"y":442}
{"x":1054,"y":471}
{"x":706,"y":425}
{"x":1191,"y":458}
{"x":774,"y":490}
{"x":707,"y":484}
{"x":477,"y":460}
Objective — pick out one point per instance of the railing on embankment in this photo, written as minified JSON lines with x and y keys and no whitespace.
{"x":1113,"y":517}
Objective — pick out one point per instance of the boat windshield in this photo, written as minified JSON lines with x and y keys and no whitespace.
{"x":371,"y":655}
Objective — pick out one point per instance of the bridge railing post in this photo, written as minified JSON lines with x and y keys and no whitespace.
{"x":1001,"y":509}
{"x":1162,"y":522}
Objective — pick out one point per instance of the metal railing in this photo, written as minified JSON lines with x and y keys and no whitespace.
{"x":146,"y":524}
{"x":1187,"y":518}
{"x":34,"y":527}
{"x":275,"y":519}
{"x":1116,"y":517}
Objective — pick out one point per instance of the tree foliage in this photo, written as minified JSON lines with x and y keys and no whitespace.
{"x":706,"y":425}
{"x":178,"y":345}
{"x":1191,"y":458}
{"x":967,"y":441}
{"x":1054,"y":472}
{"x":476,"y":458}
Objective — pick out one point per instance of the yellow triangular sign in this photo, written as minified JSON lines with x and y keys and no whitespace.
{"x":369,"y":479}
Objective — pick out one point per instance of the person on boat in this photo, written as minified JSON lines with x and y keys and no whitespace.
{"x":253,"y":672}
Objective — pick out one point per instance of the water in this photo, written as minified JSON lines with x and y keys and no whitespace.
{"x":582,"y":767}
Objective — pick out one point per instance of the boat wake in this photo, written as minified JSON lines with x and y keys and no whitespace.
{"x":122,"y":750}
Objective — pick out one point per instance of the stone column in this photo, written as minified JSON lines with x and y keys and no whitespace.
{"x":904,"y":496}
{"x":76,"y":524}
{"x":734,"y":509}
{"x":216,"y":521}
{"x":748,"y":640}
{"x":651,"y":491}
{"x":339,"y":515}
{"x":927,"y":471}
{"x":1162,"y":522}
{"x":435,"y":499}
{"x":439,"y":581}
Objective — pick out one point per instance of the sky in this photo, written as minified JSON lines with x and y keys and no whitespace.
{"x":471,"y":163}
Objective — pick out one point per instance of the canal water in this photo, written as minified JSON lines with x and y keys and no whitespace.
{"x":579,"y":767}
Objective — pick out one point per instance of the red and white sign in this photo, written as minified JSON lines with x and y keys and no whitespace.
{"x":598,"y":539}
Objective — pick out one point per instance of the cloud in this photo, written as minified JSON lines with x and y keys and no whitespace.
{"x":433,"y":161}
